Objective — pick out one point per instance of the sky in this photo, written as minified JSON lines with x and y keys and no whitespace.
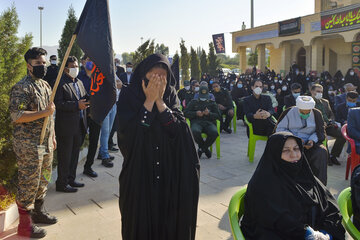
{"x":167,"y":22}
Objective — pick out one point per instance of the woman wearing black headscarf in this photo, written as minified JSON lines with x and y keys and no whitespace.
{"x":352,"y":77}
{"x":159,"y":181}
{"x":283,"y":197}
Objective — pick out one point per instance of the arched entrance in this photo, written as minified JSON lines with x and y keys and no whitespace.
{"x":301,"y":59}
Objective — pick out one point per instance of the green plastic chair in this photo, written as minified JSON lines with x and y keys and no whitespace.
{"x":236,"y":211}
{"x":217,"y":141}
{"x":344,"y":201}
{"x":253,"y":138}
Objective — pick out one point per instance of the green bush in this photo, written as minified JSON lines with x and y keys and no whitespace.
{"x":12,"y":69}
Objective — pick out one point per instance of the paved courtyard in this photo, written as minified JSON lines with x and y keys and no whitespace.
{"x":93,"y":213}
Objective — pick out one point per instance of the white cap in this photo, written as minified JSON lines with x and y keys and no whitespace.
{"x":305,"y":102}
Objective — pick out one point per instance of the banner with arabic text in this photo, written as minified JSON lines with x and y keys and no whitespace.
{"x":340,"y":19}
{"x":219,"y":43}
{"x":290,"y":27}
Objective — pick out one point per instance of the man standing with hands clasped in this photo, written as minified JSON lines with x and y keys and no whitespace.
{"x":29,"y":105}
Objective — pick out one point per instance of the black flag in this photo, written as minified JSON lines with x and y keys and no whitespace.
{"x":94,"y":38}
{"x":175,"y":70}
{"x":219,"y":43}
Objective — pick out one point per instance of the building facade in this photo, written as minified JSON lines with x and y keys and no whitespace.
{"x":327,"y":40}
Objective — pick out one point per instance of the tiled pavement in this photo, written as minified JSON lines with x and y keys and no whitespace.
{"x":93,"y":213}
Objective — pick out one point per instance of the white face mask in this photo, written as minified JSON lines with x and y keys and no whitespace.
{"x":272,"y":87}
{"x":197,"y":89}
{"x":257,"y":91}
{"x":73,"y":72}
{"x":352,"y":73}
{"x":53,"y":62}
{"x":187,"y":88}
{"x":129,"y":69}
{"x":318,"y":95}
{"x":284,"y":88}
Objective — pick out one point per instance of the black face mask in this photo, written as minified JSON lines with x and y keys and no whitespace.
{"x":39,"y":71}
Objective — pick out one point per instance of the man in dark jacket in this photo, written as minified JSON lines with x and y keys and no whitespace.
{"x":70,"y":125}
{"x":52,"y":71}
{"x":258,"y":110}
{"x":290,"y":100}
{"x":126,"y":76}
{"x":224,"y":102}
{"x":353,"y":127}
{"x":184,"y":91}
{"x":203,"y":114}
{"x":341,"y":113}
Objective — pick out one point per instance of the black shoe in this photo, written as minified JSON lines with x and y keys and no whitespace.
{"x":76,"y":184}
{"x":200,"y":152}
{"x":39,"y":214}
{"x":66,"y":189}
{"x":208,"y":153}
{"x":329,"y":162}
{"x":113,"y":149}
{"x":89,"y":172}
{"x":334,"y":160}
{"x":31,"y":231}
{"x":107,"y":163}
{"x":228,"y":130}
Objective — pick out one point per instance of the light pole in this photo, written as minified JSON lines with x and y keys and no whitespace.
{"x":252,"y":13}
{"x":40,"y":8}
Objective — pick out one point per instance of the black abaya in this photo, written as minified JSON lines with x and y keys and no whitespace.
{"x":283,"y":198}
{"x":159,"y":181}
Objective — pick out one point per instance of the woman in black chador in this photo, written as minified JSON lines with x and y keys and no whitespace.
{"x":285,"y":201}
{"x":159,"y":181}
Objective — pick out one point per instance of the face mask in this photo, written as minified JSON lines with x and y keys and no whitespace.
{"x":272,"y":87}
{"x":343,"y":79}
{"x":297,"y":73}
{"x":239,"y":85}
{"x":39,"y":71}
{"x":129,"y":69}
{"x":117,"y":64}
{"x":350,"y":104}
{"x":275,"y":81}
{"x":296,"y":95}
{"x":289,"y":79}
{"x":73,"y":72}
{"x":352,"y":73}
{"x":187,"y":88}
{"x":231,"y":85}
{"x":89,"y":65}
{"x":197,"y":89}
{"x":304,"y":116}
{"x":284,"y":88}
{"x":318,"y":95}
{"x":307,"y":79}
{"x":280,"y":82}
{"x":257,"y":91}
{"x":211,"y":81}
{"x":53,"y":62}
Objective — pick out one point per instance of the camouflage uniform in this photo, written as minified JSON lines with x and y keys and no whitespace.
{"x":34,"y":172}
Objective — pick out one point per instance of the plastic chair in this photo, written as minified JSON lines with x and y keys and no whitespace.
{"x":253,"y":138}
{"x":236,"y":211}
{"x":345,"y":205}
{"x":353,"y":158}
{"x":217,"y":141}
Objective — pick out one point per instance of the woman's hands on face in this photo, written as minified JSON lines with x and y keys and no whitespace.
{"x":151,"y":91}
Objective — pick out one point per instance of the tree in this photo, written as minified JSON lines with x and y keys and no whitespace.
{"x":127,"y":57}
{"x":164,"y":50}
{"x":184,"y":61}
{"x":203,"y":62}
{"x":143,"y":51}
{"x":66,"y":35}
{"x":195,"y":65}
{"x":12,"y":69}
{"x":253,"y":59}
{"x":213,"y":61}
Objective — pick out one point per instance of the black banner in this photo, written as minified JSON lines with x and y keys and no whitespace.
{"x":94,"y":38}
{"x":290,"y":27}
{"x":219,"y":43}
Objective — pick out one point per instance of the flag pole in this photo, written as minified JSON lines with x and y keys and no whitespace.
{"x":67,"y":53}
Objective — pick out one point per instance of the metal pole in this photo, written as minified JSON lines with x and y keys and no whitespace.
{"x":41,"y":8}
{"x":252,"y":13}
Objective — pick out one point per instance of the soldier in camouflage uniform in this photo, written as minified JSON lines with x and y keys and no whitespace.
{"x":29,"y":105}
{"x":203,"y":114}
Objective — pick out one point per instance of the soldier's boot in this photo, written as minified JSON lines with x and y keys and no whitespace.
{"x":39,"y":214}
{"x":26,"y":228}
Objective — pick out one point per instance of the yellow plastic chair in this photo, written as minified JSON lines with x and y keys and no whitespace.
{"x":253,"y":138}
{"x":217,"y":141}
{"x":236,"y":211}
{"x":344,"y":201}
